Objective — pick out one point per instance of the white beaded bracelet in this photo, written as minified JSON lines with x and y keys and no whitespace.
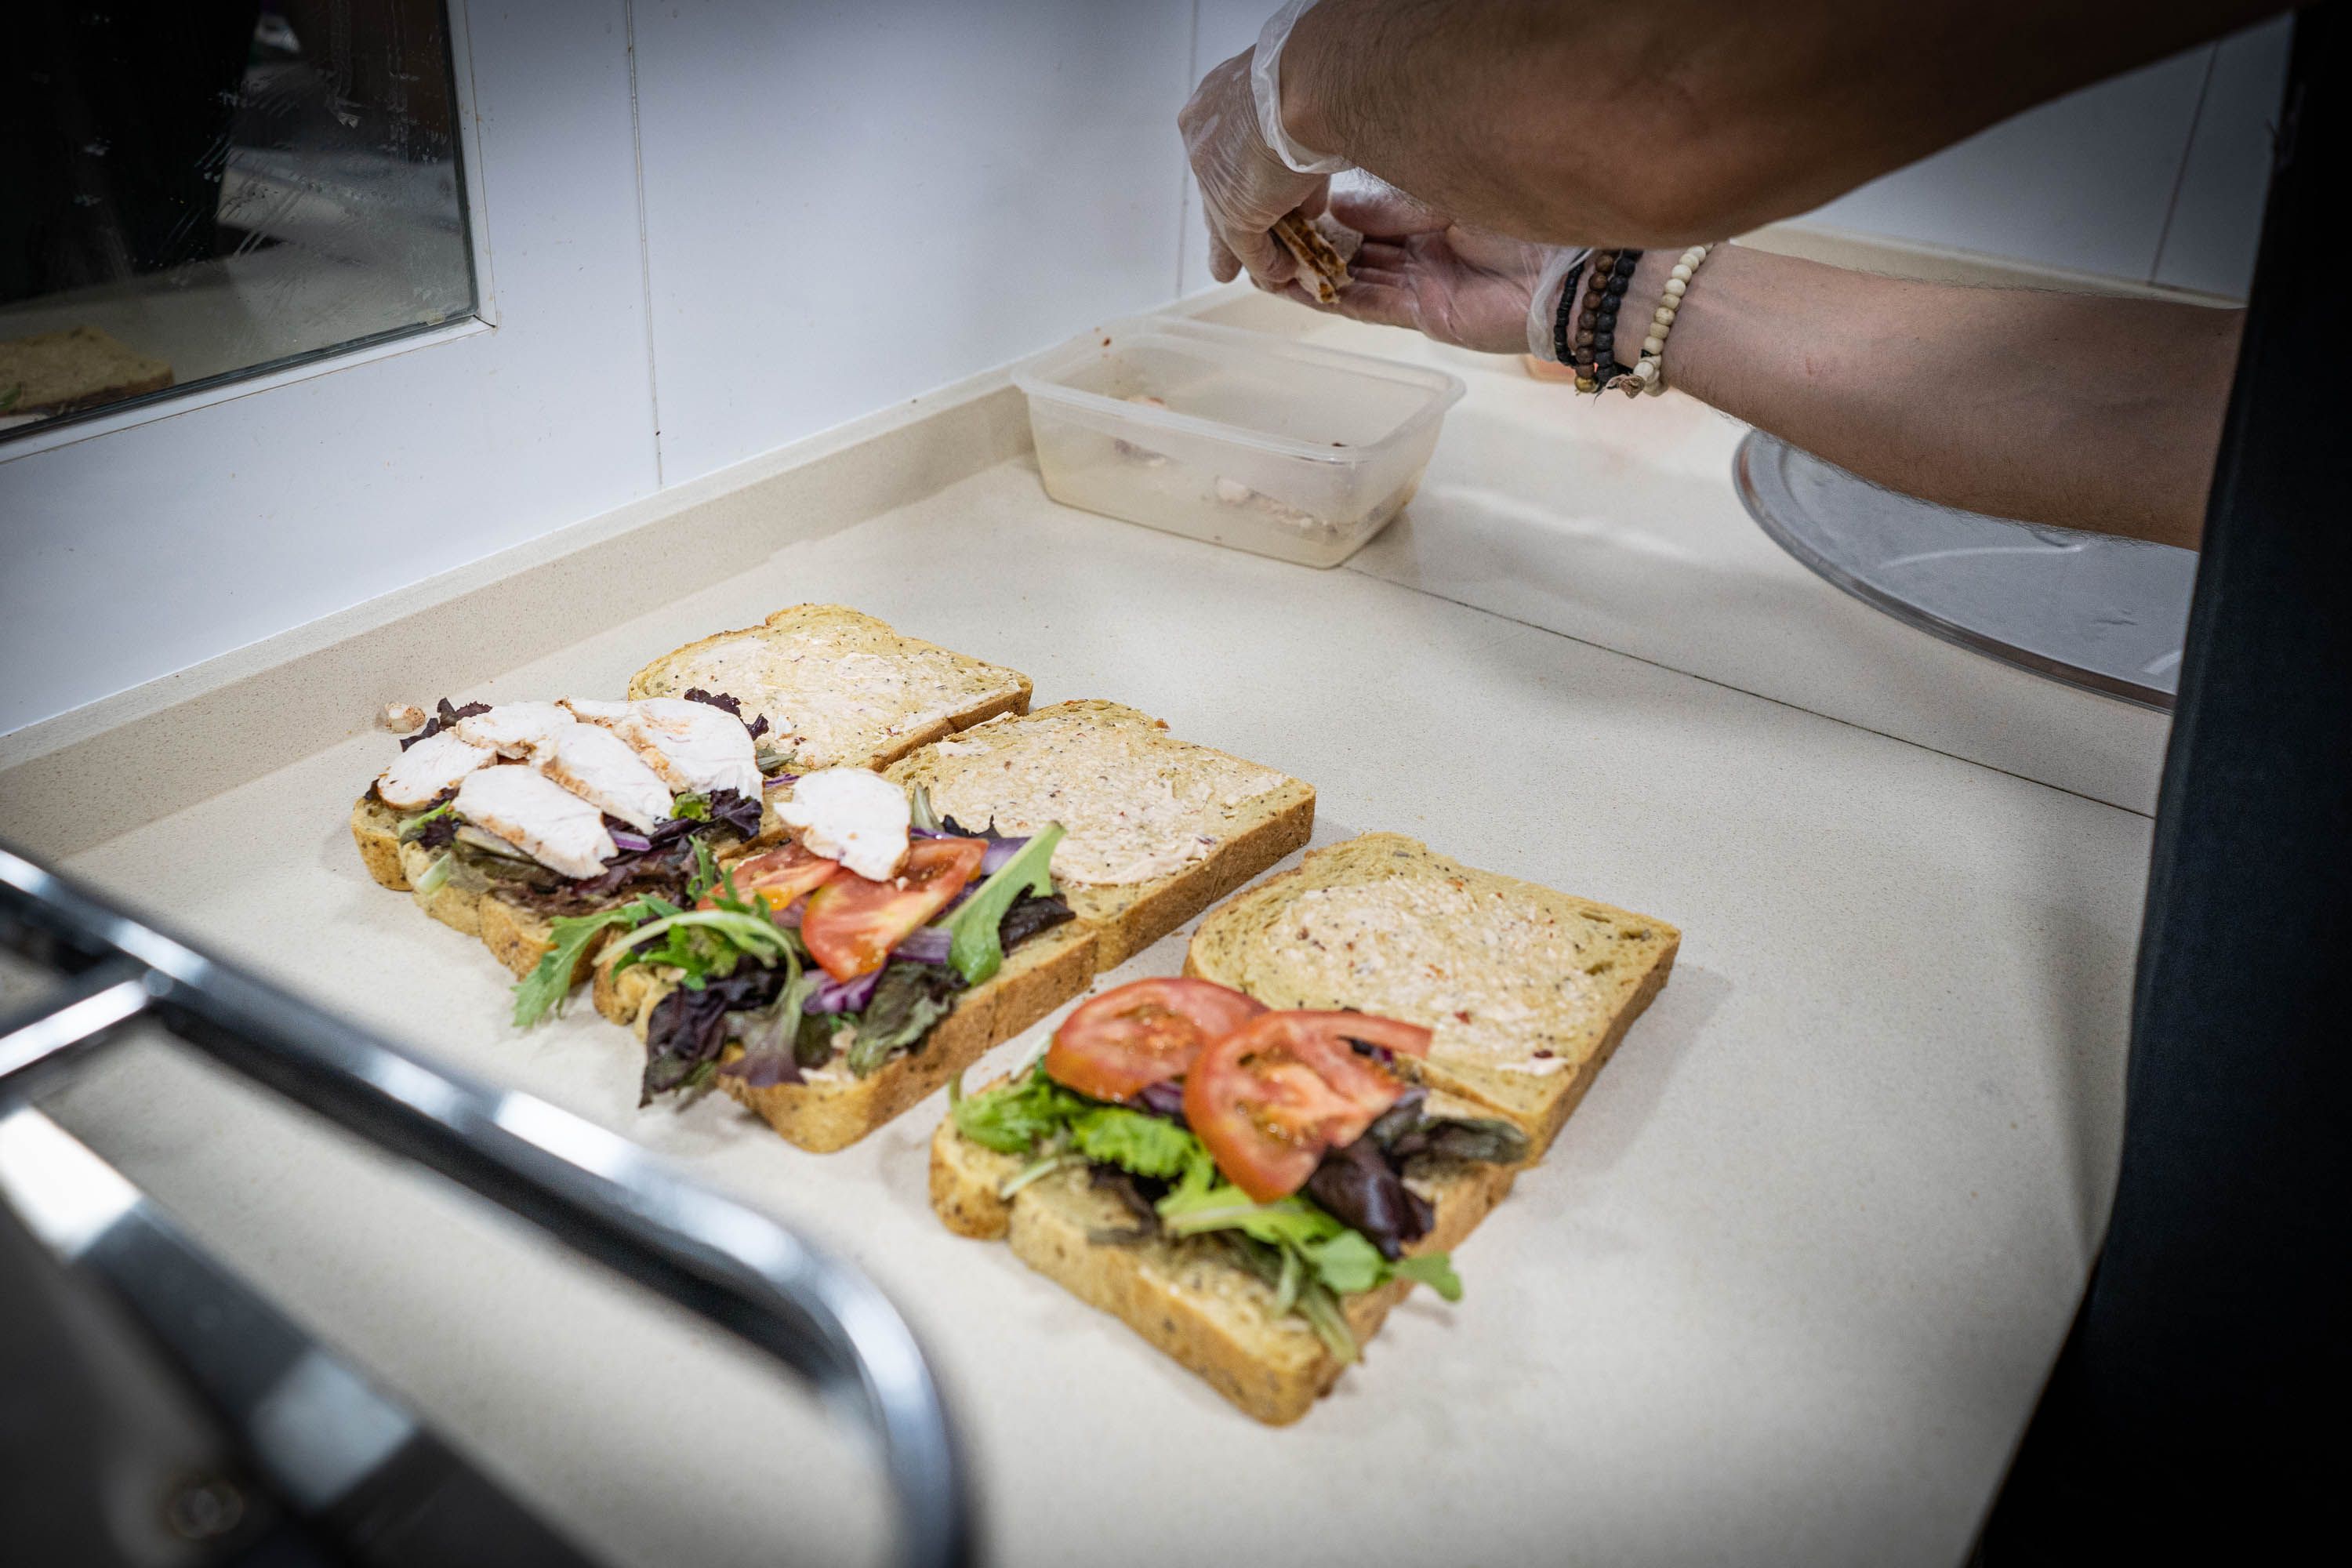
{"x":1649,"y":375}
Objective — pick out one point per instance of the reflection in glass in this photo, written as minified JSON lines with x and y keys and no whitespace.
{"x":197,"y":191}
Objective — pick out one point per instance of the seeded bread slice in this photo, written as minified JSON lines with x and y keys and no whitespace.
{"x":838,"y":688}
{"x":834,"y":1109}
{"x":940,"y":693}
{"x":1528,"y":990}
{"x":1250,"y":832}
{"x":1187,"y":1296}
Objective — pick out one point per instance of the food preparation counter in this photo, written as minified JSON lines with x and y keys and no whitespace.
{"x":1783,"y":1292}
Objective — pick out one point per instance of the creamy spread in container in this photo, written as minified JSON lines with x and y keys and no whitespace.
{"x":829,"y":705}
{"x":1500,"y":985}
{"x":1135,"y":802}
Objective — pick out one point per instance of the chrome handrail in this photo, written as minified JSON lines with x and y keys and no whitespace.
{"x":598,"y":1194}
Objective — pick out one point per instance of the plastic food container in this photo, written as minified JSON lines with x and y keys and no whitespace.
{"x":1284,"y":449}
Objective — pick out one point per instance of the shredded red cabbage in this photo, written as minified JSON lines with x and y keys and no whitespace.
{"x":926,"y":944}
{"x":624,"y":839}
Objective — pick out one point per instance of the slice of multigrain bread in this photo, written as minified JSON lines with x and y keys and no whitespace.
{"x":851,"y":689}
{"x":1187,"y":1296}
{"x":838,"y":688}
{"x":834,"y":1107}
{"x":1158,"y":828}
{"x":1528,"y":990}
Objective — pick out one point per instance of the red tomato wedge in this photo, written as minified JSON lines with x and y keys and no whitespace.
{"x":775,"y":877}
{"x":1267,"y":1100}
{"x":851,"y":925}
{"x":1131,"y":1037}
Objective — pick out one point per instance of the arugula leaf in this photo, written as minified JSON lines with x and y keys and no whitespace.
{"x":706,"y":872}
{"x":702,"y":942}
{"x":1016,"y":1115}
{"x":1434,"y":1270}
{"x":975,"y":951}
{"x":1147,"y":1145}
{"x":546,"y":985}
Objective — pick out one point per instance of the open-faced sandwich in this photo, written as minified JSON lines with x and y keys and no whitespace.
{"x":1432,"y":1027}
{"x":922,"y":914}
{"x":712,"y":728}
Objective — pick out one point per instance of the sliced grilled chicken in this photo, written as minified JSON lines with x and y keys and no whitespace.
{"x":537,"y":816}
{"x":606,"y":770}
{"x":517,"y":729}
{"x":693,"y":746}
{"x":851,"y":815}
{"x":594,"y":710}
{"x":433,"y":764}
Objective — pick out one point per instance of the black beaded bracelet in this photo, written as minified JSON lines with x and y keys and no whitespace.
{"x":1566,"y":311}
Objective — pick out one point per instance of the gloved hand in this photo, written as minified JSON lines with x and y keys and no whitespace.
{"x":1469,"y":286}
{"x":1250,"y":173}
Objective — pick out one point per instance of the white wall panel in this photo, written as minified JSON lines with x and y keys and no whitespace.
{"x":2217,"y":218}
{"x":127,"y":555}
{"x":849,"y":203}
{"x":2083,"y":183}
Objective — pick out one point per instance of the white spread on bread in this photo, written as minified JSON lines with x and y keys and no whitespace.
{"x":607,"y":772}
{"x":1134,"y":803}
{"x":428,"y":767}
{"x":539,"y":817}
{"x":517,"y":729}
{"x":695,"y":747}
{"x":1499,"y":983}
{"x":826,"y":704}
{"x":850,"y":814}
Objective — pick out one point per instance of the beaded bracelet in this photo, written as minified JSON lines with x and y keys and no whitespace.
{"x":1596,"y":321}
{"x":1567,"y":309}
{"x":1649,"y":373}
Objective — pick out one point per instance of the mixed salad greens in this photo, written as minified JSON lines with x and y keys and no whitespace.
{"x":1341,"y":1230}
{"x":746,"y":971}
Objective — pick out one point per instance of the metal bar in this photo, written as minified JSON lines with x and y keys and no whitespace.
{"x":597,"y":1193}
{"x":83,"y":1009}
{"x":324,"y":1438}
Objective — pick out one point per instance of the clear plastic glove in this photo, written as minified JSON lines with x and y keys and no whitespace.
{"x":1469,"y":286}
{"x":1250,"y":173}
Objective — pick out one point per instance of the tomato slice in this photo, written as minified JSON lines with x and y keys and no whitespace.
{"x":851,"y":925}
{"x":776,"y":878}
{"x":1131,"y":1037}
{"x":1267,"y":1100}
{"x":1392,"y":1034}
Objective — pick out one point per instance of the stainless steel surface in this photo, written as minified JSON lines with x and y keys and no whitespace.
{"x":596,"y":1193}
{"x":300,"y":1458}
{"x":2092,"y":610}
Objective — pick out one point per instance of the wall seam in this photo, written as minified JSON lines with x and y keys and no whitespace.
{"x":644,"y":237}
{"x":2188,"y":150}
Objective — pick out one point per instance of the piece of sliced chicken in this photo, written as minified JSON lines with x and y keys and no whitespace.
{"x":851,"y":815}
{"x":537,"y":816}
{"x":699,"y":747}
{"x":435,"y":764}
{"x":595,"y":711}
{"x":606,"y":770}
{"x":517,"y":730}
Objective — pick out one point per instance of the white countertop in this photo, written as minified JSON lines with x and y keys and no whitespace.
{"x":1785,"y":1288}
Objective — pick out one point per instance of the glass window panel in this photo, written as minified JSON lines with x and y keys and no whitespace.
{"x":206,"y":189}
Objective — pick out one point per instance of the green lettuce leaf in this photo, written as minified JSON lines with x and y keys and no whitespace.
{"x":1015,"y":1116}
{"x":975,"y":951}
{"x":1147,"y":1145}
{"x":544,"y":988}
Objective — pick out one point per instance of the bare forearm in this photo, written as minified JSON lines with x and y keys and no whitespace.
{"x":1595,"y":122}
{"x":2081,"y":411}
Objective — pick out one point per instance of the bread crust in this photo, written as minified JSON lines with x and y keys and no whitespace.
{"x":1183,"y":1296}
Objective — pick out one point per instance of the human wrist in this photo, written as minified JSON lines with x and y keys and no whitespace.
{"x":1286,"y":82}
